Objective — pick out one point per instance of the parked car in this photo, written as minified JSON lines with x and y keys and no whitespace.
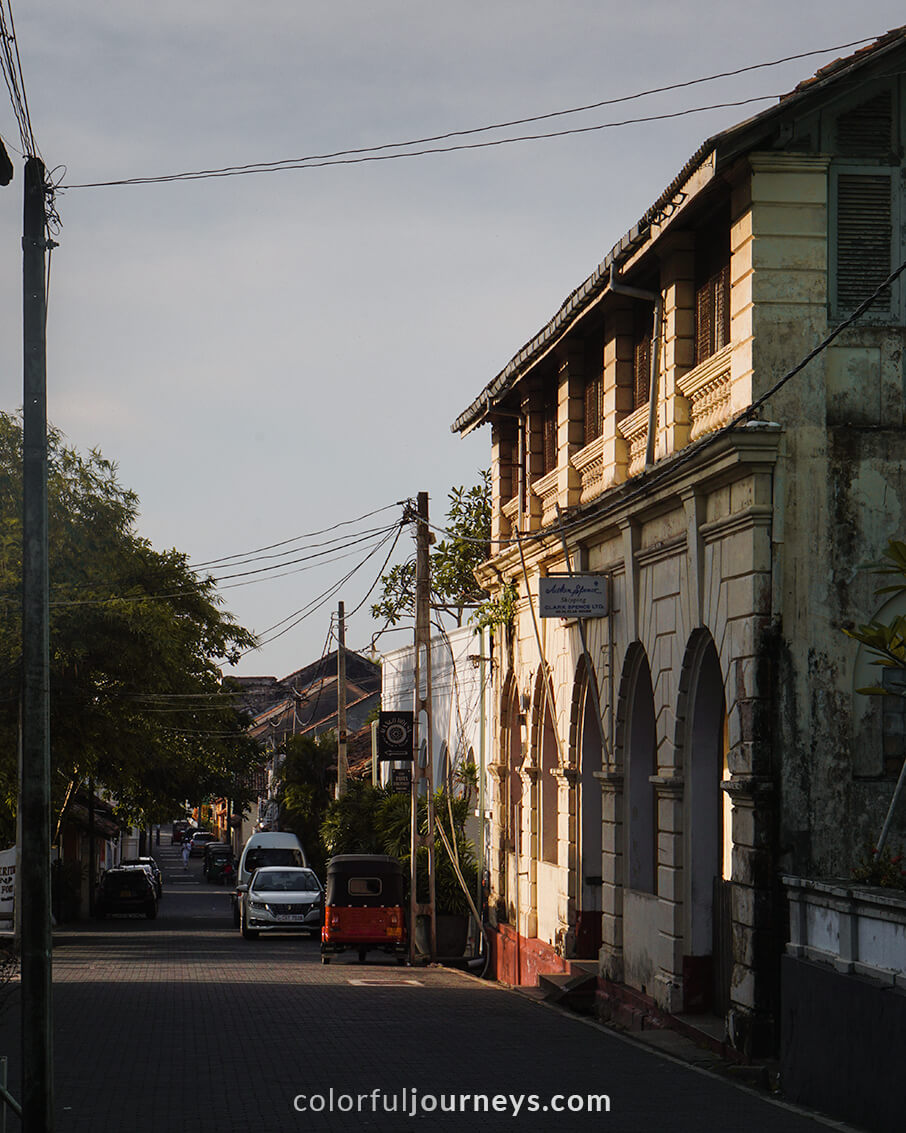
{"x":267,"y":847}
{"x":280,"y":899}
{"x":126,"y":889}
{"x":199,"y":840}
{"x":150,"y":864}
{"x":218,"y":861}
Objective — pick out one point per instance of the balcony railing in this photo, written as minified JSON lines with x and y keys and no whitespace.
{"x":545,"y":488}
{"x":589,"y":463}
{"x":707,"y":388}
{"x":634,"y":430}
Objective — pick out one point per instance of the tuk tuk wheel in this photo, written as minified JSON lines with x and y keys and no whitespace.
{"x":363,"y":952}
{"x":325,"y":959}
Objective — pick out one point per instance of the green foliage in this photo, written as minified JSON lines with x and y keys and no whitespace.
{"x":350,"y":825}
{"x":305,"y":791}
{"x":884,"y":869}
{"x":373,"y":820}
{"x":887,"y":642}
{"x":453,"y":561}
{"x":497,"y":611}
{"x":137,"y":700}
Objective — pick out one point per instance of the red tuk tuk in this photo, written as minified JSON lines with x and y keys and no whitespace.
{"x":364,"y":907}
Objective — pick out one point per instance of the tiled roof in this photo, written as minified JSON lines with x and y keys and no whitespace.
{"x":731,"y":141}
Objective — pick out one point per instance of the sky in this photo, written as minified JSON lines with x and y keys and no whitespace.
{"x":271,"y":355}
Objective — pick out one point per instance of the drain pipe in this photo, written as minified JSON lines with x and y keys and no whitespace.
{"x":651,"y":297}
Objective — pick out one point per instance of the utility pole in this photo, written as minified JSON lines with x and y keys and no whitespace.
{"x":423,"y":712}
{"x":34,"y":879}
{"x":342,"y":766}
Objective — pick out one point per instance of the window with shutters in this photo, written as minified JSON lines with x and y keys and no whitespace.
{"x":641,"y":354}
{"x":866,"y":244}
{"x":866,"y":131}
{"x":594,"y":387}
{"x":712,"y":292}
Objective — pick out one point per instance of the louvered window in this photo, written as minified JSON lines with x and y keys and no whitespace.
{"x":712,"y":292}
{"x":867,"y":130}
{"x":641,"y":355}
{"x":864,"y":246}
{"x":594,"y":387}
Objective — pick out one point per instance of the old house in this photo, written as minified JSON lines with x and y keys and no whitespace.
{"x":661,"y":432}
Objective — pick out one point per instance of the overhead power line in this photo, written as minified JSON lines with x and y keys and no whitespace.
{"x":376,"y":152}
{"x":694,"y":451}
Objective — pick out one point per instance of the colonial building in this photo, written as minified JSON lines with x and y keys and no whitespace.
{"x":648,"y":790}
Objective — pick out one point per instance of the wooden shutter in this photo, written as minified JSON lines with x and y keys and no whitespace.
{"x":642,"y":355}
{"x":550,"y":433}
{"x":722,"y":307}
{"x":867,"y":129}
{"x":864,"y":236}
{"x":593,"y":369}
{"x":704,"y":322}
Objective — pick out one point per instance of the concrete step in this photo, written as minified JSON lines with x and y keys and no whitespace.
{"x":575,"y":990}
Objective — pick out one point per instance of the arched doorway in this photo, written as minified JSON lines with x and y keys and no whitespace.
{"x":590,"y":881}
{"x":638,"y":744}
{"x":707,"y":965}
{"x":511,"y":799}
{"x":641,"y":764}
{"x":545,"y":882}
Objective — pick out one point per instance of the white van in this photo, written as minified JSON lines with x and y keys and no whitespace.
{"x":269,"y":847}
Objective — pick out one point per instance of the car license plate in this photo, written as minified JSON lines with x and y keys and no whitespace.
{"x":290,"y":917}
{"x":125,"y":893}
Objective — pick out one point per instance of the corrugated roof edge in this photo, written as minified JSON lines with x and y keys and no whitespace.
{"x":578,"y":300}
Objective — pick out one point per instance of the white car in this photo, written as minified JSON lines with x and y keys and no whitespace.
{"x":280,"y":899}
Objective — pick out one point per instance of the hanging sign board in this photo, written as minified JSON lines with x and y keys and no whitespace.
{"x":401,"y":781}
{"x":395,"y":732}
{"x":573,"y":596}
{"x":7,"y":882}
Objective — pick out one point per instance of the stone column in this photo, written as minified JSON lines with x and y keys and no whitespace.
{"x":617,"y":393}
{"x":612,"y":874}
{"x":498,"y":774}
{"x":671,"y":913}
{"x":567,"y":855}
{"x":504,"y":479}
{"x":570,"y":422}
{"x":527,"y":857}
{"x":532,"y":409}
{"x":757,"y":939}
{"x":678,"y":283}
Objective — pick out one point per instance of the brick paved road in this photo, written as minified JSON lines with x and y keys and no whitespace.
{"x":180,"y":1024}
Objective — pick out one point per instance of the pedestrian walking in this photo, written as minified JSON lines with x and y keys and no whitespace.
{"x":185,"y":855}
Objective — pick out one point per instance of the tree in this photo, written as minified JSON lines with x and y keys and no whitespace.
{"x":306,"y":777}
{"x":137,"y":700}
{"x":453,"y":560}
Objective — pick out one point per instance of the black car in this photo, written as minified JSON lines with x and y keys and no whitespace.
{"x":126,"y":889}
{"x":151,"y":864}
{"x":218,"y":862}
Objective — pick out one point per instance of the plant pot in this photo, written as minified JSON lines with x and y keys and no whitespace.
{"x":452,"y":935}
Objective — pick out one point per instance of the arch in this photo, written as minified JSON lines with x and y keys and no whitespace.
{"x":548,"y":762}
{"x":702,"y":728}
{"x":443,"y":781}
{"x":511,"y":749}
{"x":587,"y":886}
{"x":637,"y":738}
